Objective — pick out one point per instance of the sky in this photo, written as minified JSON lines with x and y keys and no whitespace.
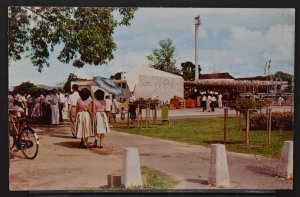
{"x":238,"y":41}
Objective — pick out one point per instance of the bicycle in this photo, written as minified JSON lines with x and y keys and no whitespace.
{"x":23,"y":137}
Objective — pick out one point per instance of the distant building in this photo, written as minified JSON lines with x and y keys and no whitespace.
{"x":225,"y":83}
{"x":149,"y":82}
{"x":145,"y":82}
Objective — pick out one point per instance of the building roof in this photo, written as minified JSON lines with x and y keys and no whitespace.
{"x":225,"y":75}
{"x":260,"y":78}
{"x":210,"y":82}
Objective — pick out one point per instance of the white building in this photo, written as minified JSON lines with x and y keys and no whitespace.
{"x":149,"y":82}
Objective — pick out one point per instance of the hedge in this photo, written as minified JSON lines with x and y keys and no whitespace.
{"x":280,"y":121}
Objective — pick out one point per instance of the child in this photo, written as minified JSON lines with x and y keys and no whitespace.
{"x":83,"y":118}
{"x":100,"y":122}
{"x":122,"y":114}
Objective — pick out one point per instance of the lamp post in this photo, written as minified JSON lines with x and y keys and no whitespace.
{"x":197,"y":24}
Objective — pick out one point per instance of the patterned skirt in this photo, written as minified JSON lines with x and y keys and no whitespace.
{"x":100,"y":123}
{"x":83,"y":125}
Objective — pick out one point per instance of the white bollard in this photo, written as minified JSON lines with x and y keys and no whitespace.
{"x":131,"y":174}
{"x":285,"y":167}
{"x":218,"y":171}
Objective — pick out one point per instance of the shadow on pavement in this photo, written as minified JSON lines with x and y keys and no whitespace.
{"x":69,"y":144}
{"x":222,"y":142}
{"x":265,"y":170}
{"x":202,"y":182}
{"x":75,"y":144}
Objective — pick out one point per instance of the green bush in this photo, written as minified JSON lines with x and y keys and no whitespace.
{"x":280,"y":121}
{"x":243,"y":104}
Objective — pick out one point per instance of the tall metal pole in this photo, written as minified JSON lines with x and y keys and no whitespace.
{"x":197,"y":24}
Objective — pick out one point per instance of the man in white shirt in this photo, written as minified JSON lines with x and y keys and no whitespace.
{"x":108,"y":107}
{"x":220,"y":103}
{"x":61,"y":101}
{"x":72,"y":102}
{"x":208,"y":103}
{"x":204,"y":100}
{"x":54,"y":107}
{"x":213,"y":102}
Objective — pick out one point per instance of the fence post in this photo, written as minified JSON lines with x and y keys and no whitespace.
{"x":269,"y":126}
{"x":240,"y":119}
{"x":225,"y":124}
{"x":247,"y":126}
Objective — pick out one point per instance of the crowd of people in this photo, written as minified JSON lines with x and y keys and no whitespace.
{"x":46,"y":108}
{"x":208,"y":102}
{"x":90,"y":115}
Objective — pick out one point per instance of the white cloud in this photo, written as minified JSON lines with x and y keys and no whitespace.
{"x":232,"y":40}
{"x":282,"y":38}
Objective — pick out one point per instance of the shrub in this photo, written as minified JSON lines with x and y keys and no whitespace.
{"x":280,"y":121}
{"x":243,"y":104}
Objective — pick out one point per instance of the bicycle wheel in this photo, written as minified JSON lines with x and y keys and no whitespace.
{"x":29,"y":143}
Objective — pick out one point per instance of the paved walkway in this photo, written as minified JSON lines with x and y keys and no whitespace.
{"x":61,"y":165}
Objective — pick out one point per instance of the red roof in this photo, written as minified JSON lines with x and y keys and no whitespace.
{"x":225,"y":75}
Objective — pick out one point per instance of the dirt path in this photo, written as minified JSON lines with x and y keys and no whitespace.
{"x":61,"y":165}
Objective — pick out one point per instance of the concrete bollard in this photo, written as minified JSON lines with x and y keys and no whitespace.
{"x":285,"y":167}
{"x":218,"y":171}
{"x":131,"y":173}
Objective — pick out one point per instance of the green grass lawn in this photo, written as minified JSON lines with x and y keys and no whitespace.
{"x":206,"y":131}
{"x":157,"y":179}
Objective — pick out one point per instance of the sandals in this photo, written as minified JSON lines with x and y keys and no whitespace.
{"x":95,"y":144}
{"x":81,"y":144}
{"x":85,"y":146}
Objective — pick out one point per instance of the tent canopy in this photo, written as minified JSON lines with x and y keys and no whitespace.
{"x":108,"y":86}
{"x":132,"y":76}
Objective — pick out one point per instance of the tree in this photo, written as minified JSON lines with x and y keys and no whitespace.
{"x":85,"y":34}
{"x":28,"y":88}
{"x":163,"y":58}
{"x":188,"y":71}
{"x":67,"y":85}
{"x":285,"y":77}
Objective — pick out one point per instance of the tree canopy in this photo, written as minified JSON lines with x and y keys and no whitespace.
{"x":163,"y":58}
{"x":85,"y":34}
{"x":188,"y":70}
{"x":29,"y":88}
{"x":67,"y":85}
{"x":286,"y":77}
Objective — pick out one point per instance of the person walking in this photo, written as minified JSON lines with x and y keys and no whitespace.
{"x":108,"y":107}
{"x":100,"y":120}
{"x":83,"y":123}
{"x":72,"y":102}
{"x":204,"y":100}
{"x":54,"y":107}
{"x":114,"y":109}
{"x":220,"y":103}
{"x":61,"y":102}
{"x":132,"y":107}
{"x":213,"y":103}
{"x":47,"y":108}
{"x":208,"y":103}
